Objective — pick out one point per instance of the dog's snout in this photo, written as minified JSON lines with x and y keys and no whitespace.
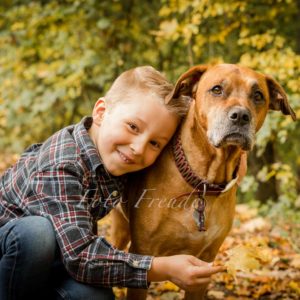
{"x":239,"y":116}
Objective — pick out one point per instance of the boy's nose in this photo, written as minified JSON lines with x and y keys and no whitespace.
{"x":138,"y":147}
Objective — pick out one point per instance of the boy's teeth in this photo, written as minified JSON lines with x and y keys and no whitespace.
{"x":124,"y":158}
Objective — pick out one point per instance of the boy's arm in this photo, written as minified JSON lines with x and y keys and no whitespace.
{"x":57,"y":193}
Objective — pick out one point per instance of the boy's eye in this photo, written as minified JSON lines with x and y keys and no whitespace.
{"x":133,"y":127}
{"x":155,"y":144}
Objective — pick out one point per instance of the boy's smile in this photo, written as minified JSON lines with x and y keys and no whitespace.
{"x":125,"y":158}
{"x":131,"y":134}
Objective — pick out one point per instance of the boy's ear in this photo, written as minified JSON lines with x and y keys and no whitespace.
{"x":98,"y":111}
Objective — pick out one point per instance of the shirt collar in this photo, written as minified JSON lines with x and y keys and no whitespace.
{"x":85,"y":144}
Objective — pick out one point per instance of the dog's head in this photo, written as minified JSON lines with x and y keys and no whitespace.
{"x":231,"y":102}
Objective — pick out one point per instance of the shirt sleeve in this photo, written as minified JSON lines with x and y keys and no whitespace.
{"x":58,"y":194}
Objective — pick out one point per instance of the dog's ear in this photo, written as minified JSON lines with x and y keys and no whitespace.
{"x":278,"y":98}
{"x":187,"y":83}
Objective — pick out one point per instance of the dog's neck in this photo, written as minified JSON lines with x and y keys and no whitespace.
{"x":216,"y":165}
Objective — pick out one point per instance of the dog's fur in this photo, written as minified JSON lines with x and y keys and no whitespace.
{"x":229,"y":106}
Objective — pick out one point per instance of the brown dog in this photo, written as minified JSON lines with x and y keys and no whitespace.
{"x":185,"y":203}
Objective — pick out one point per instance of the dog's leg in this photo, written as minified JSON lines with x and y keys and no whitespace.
{"x":199,"y":295}
{"x":119,"y":232}
{"x":136,"y":294}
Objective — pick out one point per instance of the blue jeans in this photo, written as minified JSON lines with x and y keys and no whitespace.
{"x":30,"y":266}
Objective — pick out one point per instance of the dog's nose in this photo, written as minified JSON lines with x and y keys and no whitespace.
{"x":239,"y":116}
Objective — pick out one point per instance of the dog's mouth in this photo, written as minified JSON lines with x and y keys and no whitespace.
{"x":235,"y":139}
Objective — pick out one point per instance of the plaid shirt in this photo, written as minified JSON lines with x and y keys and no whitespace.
{"x":64,"y":180}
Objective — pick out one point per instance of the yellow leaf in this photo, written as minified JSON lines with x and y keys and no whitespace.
{"x":120,"y":293}
{"x":17,"y":26}
{"x":246,"y":258}
{"x":168,"y":286}
{"x":240,"y":258}
{"x":264,"y":254}
{"x":165,"y":11}
{"x":295,"y":286}
{"x":168,"y":28}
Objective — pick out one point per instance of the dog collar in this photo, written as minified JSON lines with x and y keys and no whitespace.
{"x":191,"y":177}
{"x":201,"y":187}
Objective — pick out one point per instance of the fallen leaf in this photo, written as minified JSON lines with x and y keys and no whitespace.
{"x":168,"y":286}
{"x":244,"y":212}
{"x":216,"y":294}
{"x":120,"y":293}
{"x":295,"y":286}
{"x":169,"y":296}
{"x":295,"y":262}
{"x":246,"y":258}
{"x":262,"y":290}
{"x":262,"y":253}
{"x":255,"y":224}
{"x":240,"y":258}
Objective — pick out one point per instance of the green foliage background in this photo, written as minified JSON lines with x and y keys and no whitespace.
{"x":58,"y":57}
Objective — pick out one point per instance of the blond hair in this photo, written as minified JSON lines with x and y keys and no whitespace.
{"x":146,"y":80}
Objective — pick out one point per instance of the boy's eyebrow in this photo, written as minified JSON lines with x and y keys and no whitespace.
{"x":140,"y":120}
{"x":163,"y":138}
{"x":144,"y":123}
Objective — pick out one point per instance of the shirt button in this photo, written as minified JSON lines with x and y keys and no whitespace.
{"x":115,"y":193}
{"x":136,"y":263}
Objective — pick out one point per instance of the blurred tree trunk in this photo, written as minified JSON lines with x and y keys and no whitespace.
{"x":266,"y":190}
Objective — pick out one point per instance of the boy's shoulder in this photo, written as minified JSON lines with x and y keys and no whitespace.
{"x":60,"y":148}
{"x":71,"y":145}
{"x":70,"y":149}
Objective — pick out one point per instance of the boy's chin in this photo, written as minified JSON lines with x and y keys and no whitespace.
{"x":119,"y":171}
{"x":115,"y":172}
{"x":118,"y":168}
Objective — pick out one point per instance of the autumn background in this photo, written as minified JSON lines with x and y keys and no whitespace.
{"x":58,"y":57}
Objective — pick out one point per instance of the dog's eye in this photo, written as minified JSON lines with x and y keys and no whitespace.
{"x":217,"y":90}
{"x":258,"y":96}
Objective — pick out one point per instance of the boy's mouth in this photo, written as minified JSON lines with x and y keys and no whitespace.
{"x":125,"y":158}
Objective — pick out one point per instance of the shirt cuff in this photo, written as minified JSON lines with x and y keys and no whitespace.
{"x":139,"y":266}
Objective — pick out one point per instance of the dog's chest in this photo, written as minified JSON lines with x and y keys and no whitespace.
{"x":185,"y":236}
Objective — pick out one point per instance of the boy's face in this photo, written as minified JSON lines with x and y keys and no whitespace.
{"x":131,"y":135}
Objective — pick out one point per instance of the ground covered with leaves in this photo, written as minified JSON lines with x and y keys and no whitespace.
{"x":262,"y":257}
{"x":275,"y":277}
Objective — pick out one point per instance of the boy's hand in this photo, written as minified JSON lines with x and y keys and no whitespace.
{"x":186,"y":271}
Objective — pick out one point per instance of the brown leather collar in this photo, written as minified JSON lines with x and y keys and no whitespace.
{"x":198,"y":184}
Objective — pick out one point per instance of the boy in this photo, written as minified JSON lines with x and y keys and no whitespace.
{"x":51,"y":199}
